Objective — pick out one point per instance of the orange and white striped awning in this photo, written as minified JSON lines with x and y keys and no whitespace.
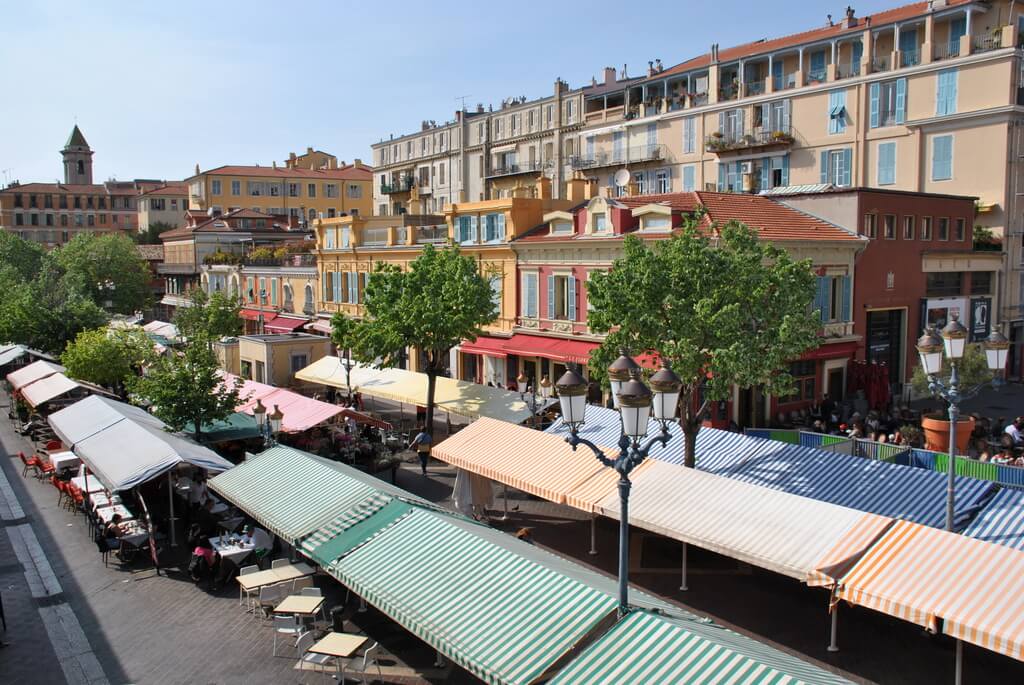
{"x":849,"y":549}
{"x":969,"y":589}
{"x":529,"y":460}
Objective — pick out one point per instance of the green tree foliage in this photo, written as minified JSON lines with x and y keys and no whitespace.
{"x":213,"y":316}
{"x":440,"y":301}
{"x":973,"y":370}
{"x":151,"y":236}
{"x":345,"y":334}
{"x":23,"y":256}
{"x":722,"y":311}
{"x":91,"y":264}
{"x":108,"y":356}
{"x":187,"y":387}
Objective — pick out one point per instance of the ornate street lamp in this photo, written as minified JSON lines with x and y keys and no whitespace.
{"x":930,"y":348}
{"x":269,"y":426}
{"x":634,"y":401}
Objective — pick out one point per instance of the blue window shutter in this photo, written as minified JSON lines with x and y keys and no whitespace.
{"x":353,"y":284}
{"x":901,"y":100}
{"x":740,"y":122}
{"x":874,"y":104}
{"x":957,"y":29}
{"x":326,"y":289}
{"x":721,"y":177}
{"x":940,"y":94}
{"x":847,"y":294}
{"x":886,"y":164}
{"x":823,"y":300}
{"x":847,"y":177}
{"x":833,"y":102}
{"x":766,"y":117}
{"x":942,"y":158}
{"x":652,"y":134}
{"x":337,"y":286}
{"x":572,"y":298}
{"x":841,"y":118}
{"x":721,"y":122}
{"x":501,"y":226}
{"x":951,"y":97}
{"x":766,"y":174}
{"x":777,"y":75}
{"x":786,"y":108}
{"x":551,"y":297}
{"x":473,"y":228}
{"x":688,"y":178}
{"x":785,"y":170}
{"x":824,"y":166}
{"x":858,"y":53}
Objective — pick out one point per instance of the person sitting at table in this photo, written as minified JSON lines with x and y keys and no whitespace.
{"x":204,"y":560}
{"x":113,"y":531}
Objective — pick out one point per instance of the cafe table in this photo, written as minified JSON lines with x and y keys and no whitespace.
{"x":106,"y":514}
{"x":93,"y":484}
{"x":300,"y":605}
{"x":64,"y":460}
{"x":235,"y":551}
{"x":254,"y":581}
{"x":340,"y":646}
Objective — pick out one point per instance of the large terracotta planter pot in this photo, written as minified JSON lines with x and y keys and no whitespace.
{"x":936,"y":434}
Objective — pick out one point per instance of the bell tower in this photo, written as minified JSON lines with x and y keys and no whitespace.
{"x":77,"y":159}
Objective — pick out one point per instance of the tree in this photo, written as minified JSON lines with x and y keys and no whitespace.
{"x":345,"y":335}
{"x":440,"y":301}
{"x":722,"y":310}
{"x":151,"y":236}
{"x":213,"y":316}
{"x":24,"y":256}
{"x":105,"y":268}
{"x":972,"y":370}
{"x":187,"y":388}
{"x":108,"y":356}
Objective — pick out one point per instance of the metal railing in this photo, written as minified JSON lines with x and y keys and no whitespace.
{"x":880,"y":64}
{"x":432,"y":234}
{"x":753,"y":88}
{"x":516,"y":168}
{"x":986,"y":43}
{"x":816,"y":76}
{"x":375,"y":236}
{"x":730,"y":92}
{"x":910,"y":58}
{"x":640,"y":153}
{"x":947,"y":50}
{"x":292,"y":260}
{"x":757,"y":138}
{"x":401,"y":186}
{"x":698,"y":99}
{"x":847,"y":70}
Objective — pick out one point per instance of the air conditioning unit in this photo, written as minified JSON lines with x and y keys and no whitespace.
{"x":746,"y":167}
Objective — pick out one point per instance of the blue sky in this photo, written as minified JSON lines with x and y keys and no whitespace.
{"x":160,"y":87}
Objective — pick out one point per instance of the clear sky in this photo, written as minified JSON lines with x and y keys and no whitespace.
{"x":159,"y":87}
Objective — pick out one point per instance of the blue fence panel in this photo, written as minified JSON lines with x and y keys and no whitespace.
{"x":923,"y":459}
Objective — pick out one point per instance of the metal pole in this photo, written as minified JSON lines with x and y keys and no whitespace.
{"x":624,"y":486}
{"x":593,"y":534}
{"x":504,"y":499}
{"x":958,"y":678}
{"x":954,"y":416}
{"x":171,"y":519}
{"x":832,"y":645}
{"x":683,"y":585}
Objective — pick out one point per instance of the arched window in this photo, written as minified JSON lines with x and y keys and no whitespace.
{"x":81,"y":167}
{"x":307,"y":305}
{"x":287,"y":296}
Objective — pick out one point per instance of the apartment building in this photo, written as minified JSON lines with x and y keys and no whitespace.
{"x":298,"y":192}
{"x":481,"y":155}
{"x":166,"y":205}
{"x":922,"y":98}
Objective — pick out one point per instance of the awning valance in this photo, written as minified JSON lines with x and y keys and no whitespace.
{"x":360,"y":417}
{"x":254,"y":314}
{"x":492,"y":347}
{"x":46,"y":389}
{"x":31,"y":373}
{"x":557,"y":349}
{"x":284,"y":324}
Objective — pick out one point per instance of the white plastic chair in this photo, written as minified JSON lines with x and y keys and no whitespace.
{"x":285,"y":625}
{"x":242,"y":592}
{"x":368,"y":661}
{"x":306,"y":640}
{"x":301,"y":583}
{"x":270,"y":596}
{"x":312,"y":592}
{"x":278,"y":563}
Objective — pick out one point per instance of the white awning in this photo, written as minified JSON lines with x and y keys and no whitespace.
{"x":46,"y":389}
{"x":497,"y":149}
{"x":32,"y":373}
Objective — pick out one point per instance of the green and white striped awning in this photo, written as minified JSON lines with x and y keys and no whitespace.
{"x":291,"y":492}
{"x":349,"y":531}
{"x":499,"y":615}
{"x":647,"y":648}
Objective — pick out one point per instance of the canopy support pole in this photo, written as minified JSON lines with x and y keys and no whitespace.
{"x":958,"y":678}
{"x":504,"y":499}
{"x":172,"y":518}
{"x":833,"y":646}
{"x":362,"y":605}
{"x":593,"y":534}
{"x":439,"y":661}
{"x":683,"y":584}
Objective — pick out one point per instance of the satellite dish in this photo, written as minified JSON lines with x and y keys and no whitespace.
{"x":622,"y":177}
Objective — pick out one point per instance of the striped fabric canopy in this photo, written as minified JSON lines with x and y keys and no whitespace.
{"x":774,"y":530}
{"x":502,"y":617}
{"x":345,"y":520}
{"x":292,"y":493}
{"x":1001,"y":521}
{"x":868,"y":485}
{"x":647,"y":648}
{"x":966,"y":588}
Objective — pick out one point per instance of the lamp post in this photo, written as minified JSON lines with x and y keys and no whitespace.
{"x":107,"y":287}
{"x":533,"y":399}
{"x":952,"y":343}
{"x":633,"y":399}
{"x":269,"y":426}
{"x":263,"y":303}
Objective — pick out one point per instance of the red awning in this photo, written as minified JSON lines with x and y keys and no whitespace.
{"x":251,"y":314}
{"x":558,"y":349}
{"x":492,"y":347}
{"x":831,"y":351}
{"x":284,"y":324}
{"x":360,"y":417}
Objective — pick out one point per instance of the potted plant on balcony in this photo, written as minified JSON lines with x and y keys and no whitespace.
{"x":973,"y":371}
{"x":781,"y":137}
{"x":716,"y":142}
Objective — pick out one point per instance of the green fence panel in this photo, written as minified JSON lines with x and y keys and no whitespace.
{"x":788,"y":436}
{"x":968,"y":467}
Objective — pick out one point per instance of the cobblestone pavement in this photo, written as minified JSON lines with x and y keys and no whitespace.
{"x":70,"y":619}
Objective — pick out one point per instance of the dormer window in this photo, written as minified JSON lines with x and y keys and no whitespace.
{"x":600,"y":222}
{"x":561,"y":228}
{"x":655,"y":222}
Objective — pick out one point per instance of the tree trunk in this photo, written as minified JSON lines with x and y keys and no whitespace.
{"x":348,"y":375}
{"x":431,"y":387}
{"x":689,"y":421}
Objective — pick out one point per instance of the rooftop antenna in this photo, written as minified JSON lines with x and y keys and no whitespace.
{"x":463,"y":98}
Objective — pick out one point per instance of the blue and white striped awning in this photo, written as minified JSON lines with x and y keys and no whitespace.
{"x":864,"y":484}
{"x":1001,"y":521}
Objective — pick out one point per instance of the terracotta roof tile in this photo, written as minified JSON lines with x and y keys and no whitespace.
{"x":345,"y":173}
{"x":169,"y":189}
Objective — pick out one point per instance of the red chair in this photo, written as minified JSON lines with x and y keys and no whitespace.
{"x":44,"y":468}
{"x":52,"y":445}
{"x":59,"y":484}
{"x":30,"y":463}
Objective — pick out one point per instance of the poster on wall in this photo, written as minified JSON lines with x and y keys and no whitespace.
{"x":981,"y":318}
{"x":939,"y":311}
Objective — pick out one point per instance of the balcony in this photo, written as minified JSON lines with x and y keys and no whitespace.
{"x":292,"y":260}
{"x":847,"y":70}
{"x":753,"y":88}
{"x":401,"y":186}
{"x":640,"y":153}
{"x":987,"y":43}
{"x":698,"y":99}
{"x":424,"y":187}
{"x":516,"y":168}
{"x":729,"y":92}
{"x":910,"y":58}
{"x":816,"y":76}
{"x":431,"y":234}
{"x":879,"y":64}
{"x":947,"y":51}
{"x":759,"y":140}
{"x":375,"y":237}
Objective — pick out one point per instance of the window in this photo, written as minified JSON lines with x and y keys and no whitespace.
{"x":942,"y":158}
{"x":837,"y":112}
{"x":561,"y":228}
{"x":79,"y":220}
{"x":90,"y":220}
{"x":329,"y":235}
{"x":886,"y":164}
{"x":103,"y":218}
{"x":440,"y":172}
{"x":908,"y":228}
{"x":19,"y":220}
{"x":926,"y":228}
{"x":803,"y":374}
{"x":689,"y":135}
{"x":494,"y":227}
{"x":299,"y":362}
{"x":332,"y":212}
{"x":943,"y":283}
{"x":959,"y":230}
{"x":529,"y":303}
{"x":833,"y":298}
{"x":78,"y":202}
{"x":600,"y":222}
{"x":657,"y":223}
{"x":174,"y":205}
{"x":33,"y":219}
{"x":310,"y":190}
{"x":245,"y":369}
{"x":663,"y":181}
{"x":888,"y":103}
{"x":496,"y":285}
{"x":158,"y":204}
{"x":943,"y":228}
{"x":689,"y":176}
{"x":236,"y":188}
{"x":640,"y":180}
{"x":945,"y":95}
{"x":562,"y":297}
{"x":465,"y":229}
{"x":981,"y":283}
{"x":293,"y":190}
{"x":215,"y":187}
{"x":49,"y":219}
{"x":331,"y":190}
{"x":775,"y":172}
{"x":836,"y":166}
{"x":354,"y":191}
{"x":346,"y":237}
{"x":63,"y":202}
{"x":63,"y":219}
{"x":889,"y":227}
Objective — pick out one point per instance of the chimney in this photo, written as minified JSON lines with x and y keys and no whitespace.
{"x":650,"y":68}
{"x":309,"y":150}
{"x":828,"y":18}
{"x":332,"y":163}
{"x":624,"y":72}
{"x":544,"y":187}
{"x":274,"y":164}
{"x":358,"y":162}
{"x":609,"y":75}
{"x":577,"y":188}
{"x":849,"y":21}
{"x":479,"y":108}
{"x":657,"y":65}
{"x":606,"y":192}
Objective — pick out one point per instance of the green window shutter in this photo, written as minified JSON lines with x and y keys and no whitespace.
{"x":551,"y":297}
{"x":572,"y":298}
{"x":901,"y":100}
{"x":875,"y":96}
{"x":847,"y":297}
{"x":785,"y":170}
{"x":824,"y":167}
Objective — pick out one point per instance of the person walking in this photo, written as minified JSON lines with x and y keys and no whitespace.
{"x":421,"y":443}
